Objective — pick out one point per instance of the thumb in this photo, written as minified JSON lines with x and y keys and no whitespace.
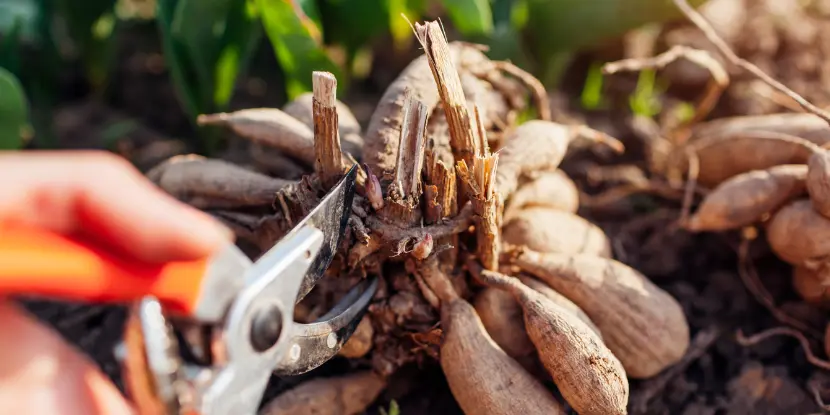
{"x":41,"y":374}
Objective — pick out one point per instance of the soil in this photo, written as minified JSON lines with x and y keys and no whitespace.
{"x":719,"y":376}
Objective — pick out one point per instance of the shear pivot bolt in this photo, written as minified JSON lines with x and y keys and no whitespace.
{"x":266,"y":328}
{"x":331,"y":340}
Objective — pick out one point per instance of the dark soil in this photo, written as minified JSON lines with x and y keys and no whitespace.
{"x":718,"y":377}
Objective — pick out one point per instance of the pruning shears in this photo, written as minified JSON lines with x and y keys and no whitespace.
{"x":234,"y":316}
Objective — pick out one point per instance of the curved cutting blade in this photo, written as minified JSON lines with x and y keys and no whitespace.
{"x":330,"y":216}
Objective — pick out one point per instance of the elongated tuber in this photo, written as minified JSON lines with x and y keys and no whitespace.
{"x":799,"y":235}
{"x":560,"y":300}
{"x":344,"y":395}
{"x":587,"y":374}
{"x":214,"y":183}
{"x":744,"y":199}
{"x":643,"y":325}
{"x":552,"y":189}
{"x":549,"y":230}
{"x":482,"y":377}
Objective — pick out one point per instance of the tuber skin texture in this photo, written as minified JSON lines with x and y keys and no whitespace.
{"x":213,"y":183}
{"x":591,"y":379}
{"x":549,"y":230}
{"x":798,"y":235}
{"x":554,"y":190}
{"x":812,"y":286}
{"x":383,"y":132}
{"x":560,"y":300}
{"x":360,"y":343}
{"x":723,"y":157}
{"x":818,"y":182}
{"x":807,"y":126}
{"x":533,"y":146}
{"x":643,"y":325}
{"x":481,"y":376}
{"x":270,"y":127}
{"x":744,"y":199}
{"x":502,"y":317}
{"x":344,"y":395}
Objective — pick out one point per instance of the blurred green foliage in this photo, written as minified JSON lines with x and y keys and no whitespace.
{"x":209,"y":44}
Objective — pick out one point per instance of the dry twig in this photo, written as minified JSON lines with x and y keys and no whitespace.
{"x":783,"y":331}
{"x":328,"y":157}
{"x":714,"y":89}
{"x":734,"y":59}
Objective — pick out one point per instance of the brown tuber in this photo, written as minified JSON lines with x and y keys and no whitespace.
{"x":360,"y":343}
{"x":744,"y":199}
{"x":799,"y":235}
{"x":818,"y":182}
{"x":549,"y":230}
{"x":482,"y":377}
{"x":643,"y":325}
{"x":550,"y":189}
{"x":812,"y":286}
{"x":344,"y":395}
{"x":587,"y":374}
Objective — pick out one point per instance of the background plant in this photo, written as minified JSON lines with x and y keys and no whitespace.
{"x":208,"y":44}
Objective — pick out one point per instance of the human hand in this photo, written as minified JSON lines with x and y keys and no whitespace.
{"x":101,"y":196}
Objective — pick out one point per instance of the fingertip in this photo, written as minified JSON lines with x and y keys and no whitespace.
{"x":40,"y":374}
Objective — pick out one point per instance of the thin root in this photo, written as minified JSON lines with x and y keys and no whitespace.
{"x":717,"y":84}
{"x":691,"y":184}
{"x":750,"y":279}
{"x":734,"y":59}
{"x":783,"y":331}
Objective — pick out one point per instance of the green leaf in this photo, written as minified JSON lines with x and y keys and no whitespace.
{"x":13,"y":112}
{"x":175,"y":54}
{"x":10,"y":48}
{"x":92,"y":28}
{"x":297,"y":42}
{"x":470,"y":17}
{"x":243,"y":32}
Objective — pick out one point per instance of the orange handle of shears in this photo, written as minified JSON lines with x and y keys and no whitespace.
{"x":48,"y":264}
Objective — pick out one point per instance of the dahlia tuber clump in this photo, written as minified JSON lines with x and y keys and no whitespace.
{"x":442,"y":166}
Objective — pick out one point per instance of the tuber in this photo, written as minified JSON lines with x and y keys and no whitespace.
{"x":344,"y":395}
{"x":360,"y":343}
{"x":643,"y":325}
{"x":744,"y":199}
{"x":818,"y":182}
{"x":812,"y":286}
{"x":799,"y":235}
{"x":482,"y":377}
{"x":214,"y":183}
{"x":551,"y":189}
{"x":591,"y":379}
{"x":549,"y":230}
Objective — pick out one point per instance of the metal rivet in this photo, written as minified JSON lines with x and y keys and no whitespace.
{"x":331,"y":341}
{"x":294,"y":353}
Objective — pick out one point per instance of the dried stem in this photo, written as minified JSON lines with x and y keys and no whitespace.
{"x":404,"y":193}
{"x":463,"y":139}
{"x":717,"y":84}
{"x":328,"y":155}
{"x":407,"y":182}
{"x":784,"y":331}
{"x":440,"y":194}
{"x":480,"y":187}
{"x":734,"y":59}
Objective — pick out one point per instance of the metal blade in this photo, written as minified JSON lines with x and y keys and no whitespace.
{"x":316,"y":343}
{"x":331,"y":217}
